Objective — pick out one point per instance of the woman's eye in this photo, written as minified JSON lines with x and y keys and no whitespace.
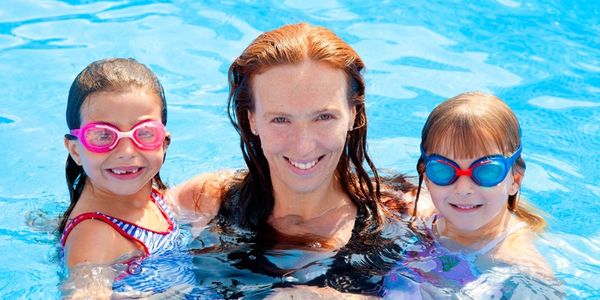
{"x":279,"y":120}
{"x":325,"y":117}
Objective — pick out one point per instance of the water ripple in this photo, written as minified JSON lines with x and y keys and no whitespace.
{"x":34,"y":11}
{"x":6,"y":120}
{"x":462,"y":71}
{"x":561,"y":103}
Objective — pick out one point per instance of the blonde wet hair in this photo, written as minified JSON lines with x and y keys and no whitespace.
{"x":472,"y":125}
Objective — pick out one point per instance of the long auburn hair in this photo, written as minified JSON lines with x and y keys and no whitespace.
{"x":469,"y":125}
{"x":292,"y":44}
{"x":106,"y":75}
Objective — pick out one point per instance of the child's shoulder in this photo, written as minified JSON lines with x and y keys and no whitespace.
{"x":96,"y":242}
{"x":519,"y":249}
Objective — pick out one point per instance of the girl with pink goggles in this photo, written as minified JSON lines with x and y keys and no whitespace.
{"x":103,"y":137}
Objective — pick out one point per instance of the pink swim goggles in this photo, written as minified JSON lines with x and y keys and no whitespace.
{"x":103,"y":137}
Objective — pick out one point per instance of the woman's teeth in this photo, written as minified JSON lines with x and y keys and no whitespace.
{"x":304,"y":166}
{"x":466,"y":206}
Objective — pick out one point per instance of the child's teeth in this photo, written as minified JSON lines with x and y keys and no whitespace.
{"x":121,"y":172}
{"x":466,"y":206}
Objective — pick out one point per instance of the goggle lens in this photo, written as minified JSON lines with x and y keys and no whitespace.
{"x":99,"y":136}
{"x":102,"y":137}
{"x":440,"y":173}
{"x":151,"y":136}
{"x":490,"y":174}
{"x":486,"y":171}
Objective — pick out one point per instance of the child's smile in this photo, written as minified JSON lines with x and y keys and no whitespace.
{"x":124,"y":169}
{"x":468,"y":206}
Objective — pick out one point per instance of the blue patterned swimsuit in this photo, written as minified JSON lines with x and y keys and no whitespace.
{"x":165,"y":264}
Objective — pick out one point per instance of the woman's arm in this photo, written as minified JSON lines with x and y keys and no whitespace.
{"x":198,"y":200}
{"x":399,"y":193}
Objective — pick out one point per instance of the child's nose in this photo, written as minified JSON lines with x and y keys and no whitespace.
{"x":125,"y":148}
{"x":464,"y":185}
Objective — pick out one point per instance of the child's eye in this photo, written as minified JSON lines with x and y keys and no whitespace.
{"x":325,"y":117}
{"x":279,"y":120}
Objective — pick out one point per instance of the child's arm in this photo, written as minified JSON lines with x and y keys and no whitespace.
{"x":95,"y":242}
{"x":201,"y":196}
{"x":87,"y":281}
{"x":91,"y":249}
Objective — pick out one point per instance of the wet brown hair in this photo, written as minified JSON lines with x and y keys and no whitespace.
{"x":106,"y":75}
{"x":293,"y":44}
{"x":471,"y":125}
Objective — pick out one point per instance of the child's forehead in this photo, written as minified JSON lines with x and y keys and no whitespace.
{"x":126,"y":106}
{"x":465,"y":149}
{"x":123,"y":97}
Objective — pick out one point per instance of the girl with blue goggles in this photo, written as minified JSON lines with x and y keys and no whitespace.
{"x":487,"y":171}
{"x":473,"y":217}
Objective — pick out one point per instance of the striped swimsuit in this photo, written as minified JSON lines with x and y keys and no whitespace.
{"x":153,"y":242}
{"x":165,"y":270}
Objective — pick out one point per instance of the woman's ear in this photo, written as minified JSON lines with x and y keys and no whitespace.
{"x":71,"y":146}
{"x":352,"y":118}
{"x":252,"y":123}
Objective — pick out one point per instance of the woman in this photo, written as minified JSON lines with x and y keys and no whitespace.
{"x":297,"y":99}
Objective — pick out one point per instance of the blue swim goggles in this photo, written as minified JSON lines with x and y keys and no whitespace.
{"x":487,"y":171}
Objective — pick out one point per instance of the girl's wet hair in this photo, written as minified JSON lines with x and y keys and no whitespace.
{"x":472,"y":125}
{"x":293,"y":44}
{"x":107,"y":75}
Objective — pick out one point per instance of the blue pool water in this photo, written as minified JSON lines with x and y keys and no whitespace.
{"x":542,"y":58}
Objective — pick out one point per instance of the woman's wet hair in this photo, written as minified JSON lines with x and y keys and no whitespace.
{"x":288,"y":45}
{"x":472,"y":125}
{"x":107,"y":75}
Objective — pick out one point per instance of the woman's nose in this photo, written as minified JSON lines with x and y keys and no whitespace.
{"x":303,"y":139}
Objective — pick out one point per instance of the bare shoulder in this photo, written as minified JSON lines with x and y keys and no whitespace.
{"x":406,"y":201}
{"x":95,"y":242}
{"x":520,"y":250}
{"x":203,"y":193}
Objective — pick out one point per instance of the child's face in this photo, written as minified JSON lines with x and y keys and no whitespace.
{"x":126,"y":169}
{"x":468,"y":206}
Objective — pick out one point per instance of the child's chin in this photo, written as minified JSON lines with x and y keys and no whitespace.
{"x":125,"y":192}
{"x":467,"y":227}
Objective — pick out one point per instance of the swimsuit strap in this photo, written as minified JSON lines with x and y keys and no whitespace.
{"x":103,"y":218}
{"x":159,"y":199}
{"x":152,"y":241}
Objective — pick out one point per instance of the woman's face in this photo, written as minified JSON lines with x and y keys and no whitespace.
{"x":302,"y":116}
